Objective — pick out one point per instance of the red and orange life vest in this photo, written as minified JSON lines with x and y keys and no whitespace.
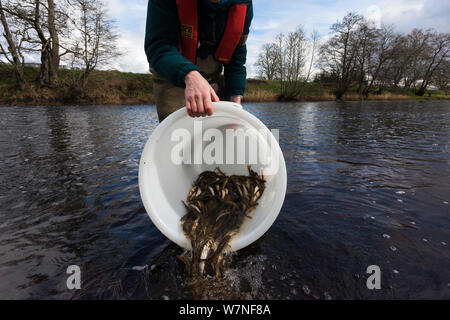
{"x":188,"y":15}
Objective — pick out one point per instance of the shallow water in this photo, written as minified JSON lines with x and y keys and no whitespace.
{"x":369,"y":184}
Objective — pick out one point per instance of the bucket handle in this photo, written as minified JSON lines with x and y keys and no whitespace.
{"x":237,"y":105}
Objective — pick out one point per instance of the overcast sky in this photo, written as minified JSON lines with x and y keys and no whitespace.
{"x":274,"y":16}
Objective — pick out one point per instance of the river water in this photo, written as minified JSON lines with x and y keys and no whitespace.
{"x":368,"y":184}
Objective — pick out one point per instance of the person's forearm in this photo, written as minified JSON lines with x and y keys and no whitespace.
{"x":172,"y":66}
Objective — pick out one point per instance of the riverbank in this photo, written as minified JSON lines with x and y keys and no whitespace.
{"x":269,"y":91}
{"x":103,"y":88}
{"x":119,"y":88}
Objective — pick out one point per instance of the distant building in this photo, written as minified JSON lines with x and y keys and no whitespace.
{"x":61,"y":66}
{"x":33,"y":64}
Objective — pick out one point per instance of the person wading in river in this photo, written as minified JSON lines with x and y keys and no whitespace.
{"x":188,"y":44}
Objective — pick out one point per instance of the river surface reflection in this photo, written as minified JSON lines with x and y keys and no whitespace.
{"x":368,"y":184}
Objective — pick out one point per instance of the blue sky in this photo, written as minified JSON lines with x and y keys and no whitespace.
{"x":272,"y":17}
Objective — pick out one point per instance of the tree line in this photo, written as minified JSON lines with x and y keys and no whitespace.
{"x":78,"y":32}
{"x":361,"y":56}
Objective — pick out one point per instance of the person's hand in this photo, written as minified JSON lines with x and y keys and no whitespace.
{"x":236,"y":99}
{"x":199,"y":95}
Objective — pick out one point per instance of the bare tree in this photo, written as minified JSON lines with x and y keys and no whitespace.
{"x":268,"y":62}
{"x":94,"y":40}
{"x":46,"y":20}
{"x":14,"y":39}
{"x":381,"y":52}
{"x":361,"y":53}
{"x":436,"y":53}
{"x":410,"y":55}
{"x":290,"y":60}
{"x":339,"y":56}
{"x":441,"y":78}
{"x":314,"y":47}
{"x":279,"y":43}
{"x":362,"y":56}
{"x":292,"y":52}
{"x":367,"y":36}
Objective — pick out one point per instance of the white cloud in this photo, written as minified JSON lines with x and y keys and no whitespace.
{"x":131,"y":19}
{"x":131,"y":44}
{"x":272,"y":17}
{"x":374,"y":14}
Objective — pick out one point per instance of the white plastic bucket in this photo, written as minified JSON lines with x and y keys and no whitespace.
{"x":164,"y":183}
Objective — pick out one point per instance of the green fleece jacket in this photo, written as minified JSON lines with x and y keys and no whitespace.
{"x":163,"y":36}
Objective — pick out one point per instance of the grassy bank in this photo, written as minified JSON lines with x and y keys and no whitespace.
{"x":269,"y":91}
{"x":114,"y":87}
{"x":103,"y":87}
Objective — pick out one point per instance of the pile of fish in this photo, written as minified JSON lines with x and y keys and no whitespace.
{"x":217,"y":207}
